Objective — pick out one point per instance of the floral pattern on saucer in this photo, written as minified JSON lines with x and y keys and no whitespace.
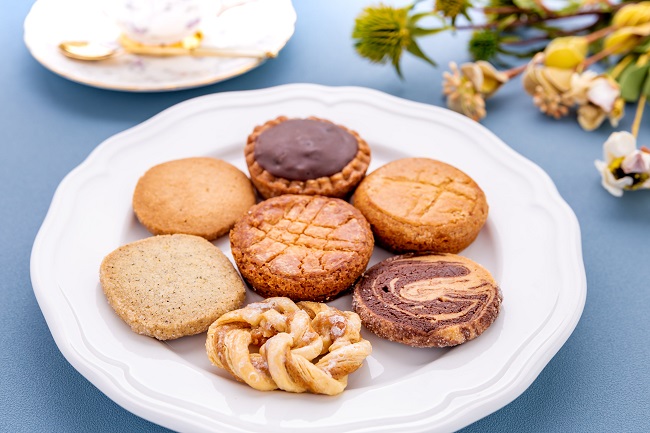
{"x":263,"y":25}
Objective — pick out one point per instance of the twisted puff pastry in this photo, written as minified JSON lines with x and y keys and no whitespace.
{"x":307,"y":346}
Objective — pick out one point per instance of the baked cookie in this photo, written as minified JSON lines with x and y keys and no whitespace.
{"x":197,"y":196}
{"x":420,"y":204}
{"x":305,"y":156}
{"x":427,"y":300}
{"x":308,"y":248}
{"x":170,"y":286}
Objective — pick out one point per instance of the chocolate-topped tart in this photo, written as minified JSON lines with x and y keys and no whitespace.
{"x":311,"y":156}
{"x":427,"y":300}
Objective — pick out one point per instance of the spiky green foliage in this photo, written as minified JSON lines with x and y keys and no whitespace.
{"x":382,"y":33}
{"x":484,"y":44}
{"x":452,"y":8}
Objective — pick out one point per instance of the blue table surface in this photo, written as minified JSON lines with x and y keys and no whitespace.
{"x":598,"y":381}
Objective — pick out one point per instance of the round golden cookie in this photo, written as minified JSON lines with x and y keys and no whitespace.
{"x":310,"y":156}
{"x":427,"y":300}
{"x":307,"y":248}
{"x":197,"y":196}
{"x":169,"y":286}
{"x":420,"y":204}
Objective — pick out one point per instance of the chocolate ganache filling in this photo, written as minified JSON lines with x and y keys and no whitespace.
{"x":433,"y":294}
{"x":303,"y":149}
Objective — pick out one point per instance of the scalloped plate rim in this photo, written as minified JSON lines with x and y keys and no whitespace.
{"x":154,"y":410}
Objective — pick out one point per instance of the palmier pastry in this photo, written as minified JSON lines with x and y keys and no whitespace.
{"x":305,"y":156}
{"x":302,"y":247}
{"x":420,"y":204}
{"x":427,"y":300}
{"x":277,"y":344}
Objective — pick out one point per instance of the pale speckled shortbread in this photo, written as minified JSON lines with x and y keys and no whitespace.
{"x":198,"y":196}
{"x":169,"y":286}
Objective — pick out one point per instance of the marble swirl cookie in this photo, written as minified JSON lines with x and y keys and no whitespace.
{"x":307,"y":248}
{"x":421,"y":204}
{"x":305,"y":156}
{"x":427,"y":300}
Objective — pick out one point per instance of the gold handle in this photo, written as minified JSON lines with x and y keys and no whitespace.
{"x":193,"y":49}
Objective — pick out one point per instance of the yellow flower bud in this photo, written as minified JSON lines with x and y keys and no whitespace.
{"x":492,"y":79}
{"x":590,"y":117}
{"x":567,"y":52}
{"x":626,"y":38}
{"x":617,"y":112}
{"x":553,"y":80}
{"x":559,"y":78}
{"x":632,"y":15}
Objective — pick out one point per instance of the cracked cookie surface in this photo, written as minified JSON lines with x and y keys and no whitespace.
{"x":302,"y":247}
{"x":421,"y":204}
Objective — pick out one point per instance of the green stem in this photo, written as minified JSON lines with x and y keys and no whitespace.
{"x":599,"y":34}
{"x":600,"y":55}
{"x":620,"y":67}
{"x":639,"y":115}
{"x":511,"y":73}
{"x":526,"y":22}
{"x":516,"y":10}
{"x":551,"y":35}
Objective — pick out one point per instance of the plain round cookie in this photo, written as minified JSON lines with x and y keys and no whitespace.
{"x":300,"y":156}
{"x":421,"y":204}
{"x":307,"y":248}
{"x":197,"y":196}
{"x":427,"y":300}
{"x":170,"y":286}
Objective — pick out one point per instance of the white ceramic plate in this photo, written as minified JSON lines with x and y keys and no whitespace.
{"x":264,"y":25}
{"x":531,"y":244}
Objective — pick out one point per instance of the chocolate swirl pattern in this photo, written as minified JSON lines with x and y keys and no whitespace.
{"x":427,"y":300}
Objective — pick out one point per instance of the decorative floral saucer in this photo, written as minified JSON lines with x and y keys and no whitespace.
{"x":254,"y":24}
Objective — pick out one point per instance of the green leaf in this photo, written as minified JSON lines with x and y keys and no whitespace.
{"x":632,"y":81}
{"x":572,"y":7}
{"x":507,"y":22}
{"x":646,"y":87}
{"x":414,"y":49}
{"x":643,"y":47}
{"x":414,"y":18}
{"x":530,"y":5}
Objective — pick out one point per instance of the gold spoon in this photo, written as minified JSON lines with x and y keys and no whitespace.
{"x":94,"y":51}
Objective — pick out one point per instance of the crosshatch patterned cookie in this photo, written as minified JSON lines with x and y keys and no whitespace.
{"x":302,"y":247}
{"x":301,"y":347}
{"x":305,"y":156}
{"x":427,"y":300}
{"x":198,"y":196}
{"x":420,"y":204}
{"x":169,"y":286}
